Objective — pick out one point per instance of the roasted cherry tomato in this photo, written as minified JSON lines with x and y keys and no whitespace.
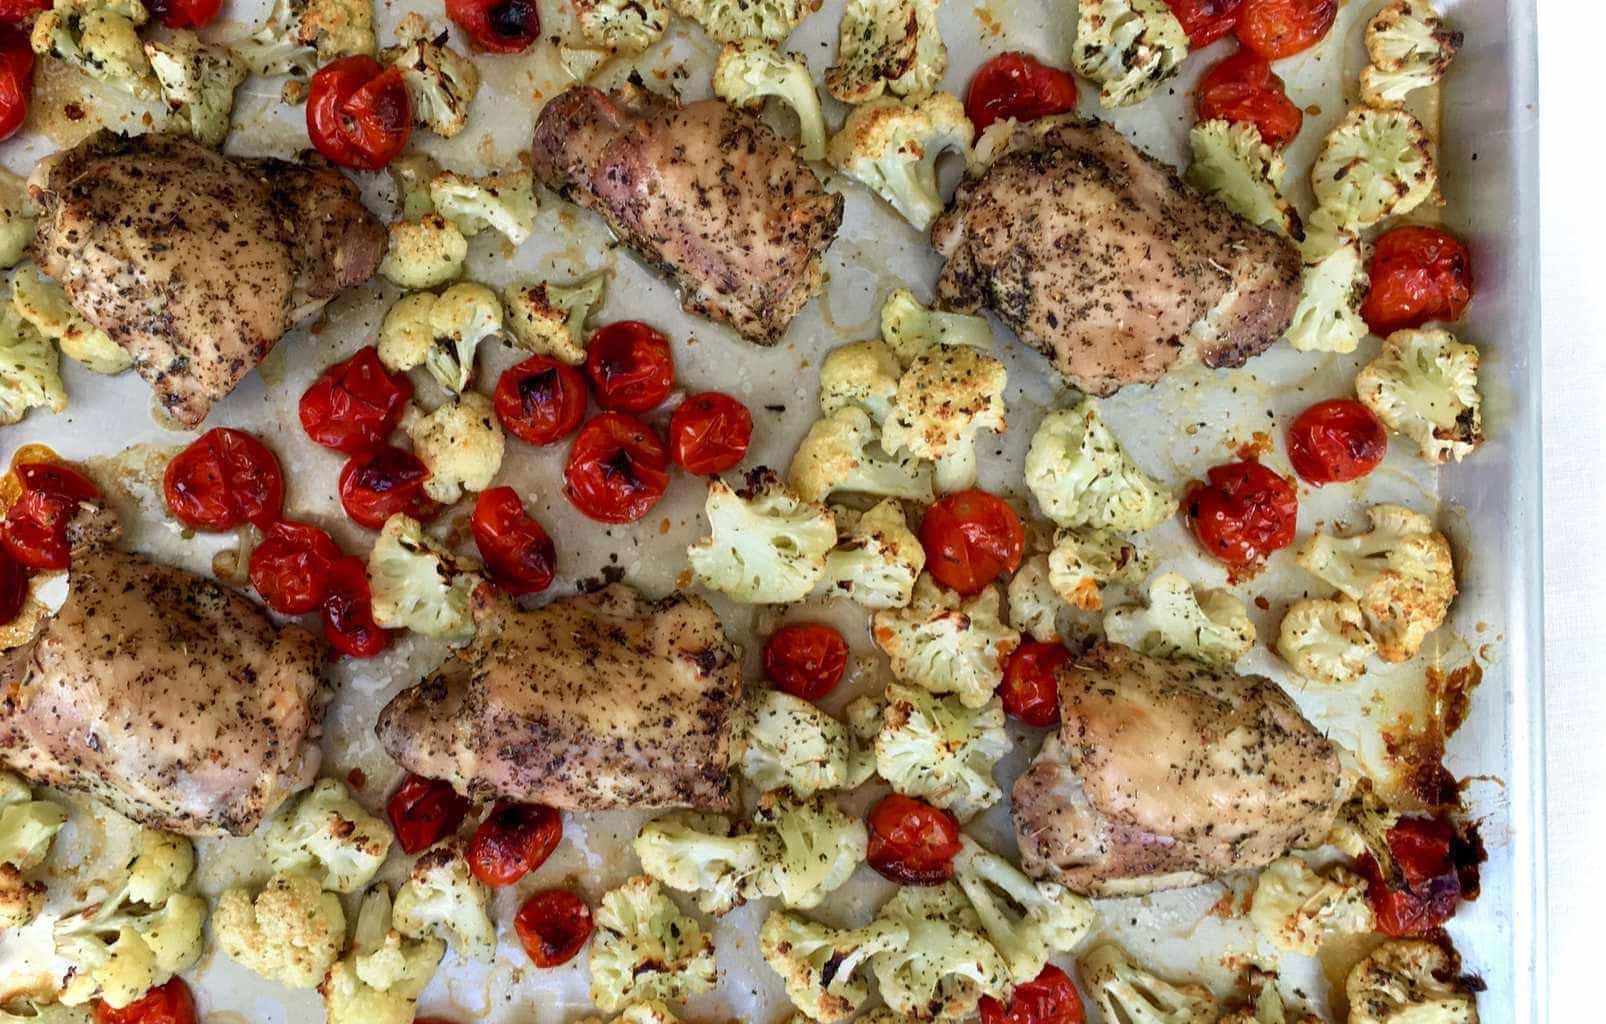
{"x":630,"y":365}
{"x":170,"y":1003}
{"x":348,"y":614}
{"x":541,"y":400}
{"x":709,"y":433}
{"x":1031,"y":689}
{"x":805,"y":659}
{"x":224,"y":478}
{"x":1418,"y":274}
{"x":1281,"y":28}
{"x":185,"y":13}
{"x":1205,"y":21}
{"x":553,"y":926}
{"x":1018,"y":85}
{"x":912,"y":842}
{"x":424,"y":811}
{"x":35,"y":529}
{"x":13,"y":588}
{"x":355,"y":405}
{"x":1243,"y":513}
{"x":617,"y":469}
{"x":1336,"y":441}
{"x":500,"y":26}
{"x":1421,"y":892}
{"x":13,"y":11}
{"x":358,"y":112}
{"x":376,"y":485}
{"x":16,"y":79}
{"x":290,"y":568}
{"x":512,"y":841}
{"x":518,"y":552}
{"x":1242,"y":87}
{"x":1049,"y":998}
{"x":971,"y":538}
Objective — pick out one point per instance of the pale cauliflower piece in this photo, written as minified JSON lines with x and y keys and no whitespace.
{"x":1232,"y":163}
{"x":461,"y":444}
{"x":1400,"y":573}
{"x":947,"y":965}
{"x":766,"y":545}
{"x":646,"y":949}
{"x":441,"y":332}
{"x":1298,"y":909}
{"x":1083,"y":561}
{"x":1424,"y":384}
{"x":17,"y":216}
{"x":1027,"y":921}
{"x":405,"y":336}
{"x":140,"y":936}
{"x":1374,"y":164}
{"x":424,"y":253}
{"x":789,"y":742}
{"x":939,"y":750}
{"x":43,"y":303}
{"x":1126,"y":992}
{"x":842,"y":452}
{"x":891,"y":147}
{"x":329,"y":834}
{"x":697,"y":853}
{"x":748,"y":72}
{"x":442,"y":897}
{"x":504,"y":202}
{"x":411,"y":174}
{"x":1410,"y":981}
{"x":27,"y":828}
{"x":1410,"y":47}
{"x":1128,"y":47}
{"x":864,"y":374}
{"x":887,"y":46}
{"x":623,"y":27}
{"x":380,"y":979}
{"x":302,"y":35}
{"x":876,"y":562}
{"x":290,"y":932}
{"x":944,"y":398}
{"x":99,"y":38}
{"x":1034,"y":606}
{"x":1266,"y":1004}
{"x":818,"y":964}
{"x":1081,"y":476}
{"x":30,"y":370}
{"x":29,"y":1012}
{"x":550,"y":320}
{"x":1331,"y":290}
{"x":418,"y":585}
{"x":735,"y":21}
{"x":911,"y":329}
{"x":1210,"y":626}
{"x":1326,"y":640}
{"x":197,"y":81}
{"x":946,"y":643}
{"x":814,"y":848}
{"x":441,"y":83}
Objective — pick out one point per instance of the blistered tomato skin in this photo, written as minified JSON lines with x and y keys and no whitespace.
{"x":170,"y":1003}
{"x":1281,"y":28}
{"x":16,"y":78}
{"x":912,"y":842}
{"x":348,"y":616}
{"x":512,"y":841}
{"x":185,"y":13}
{"x":516,"y":549}
{"x":14,"y":11}
{"x":617,"y":469}
{"x":1242,"y":513}
{"x":359,"y":114}
{"x":1049,"y":998}
{"x":423,"y":811}
{"x":1417,"y":274}
{"x":709,"y":433}
{"x":553,"y":926}
{"x":541,"y":400}
{"x":291,"y":567}
{"x":1205,"y":21}
{"x":13,"y":588}
{"x":1030,"y":690}
{"x":1434,"y":870}
{"x":497,"y":26}
{"x":971,"y":538}
{"x":355,"y":404}
{"x":1336,"y":441}
{"x":376,"y":485}
{"x":805,"y":659}
{"x":223,"y":479}
{"x":1018,"y":85}
{"x":631,"y":366}
{"x":34,"y":532}
{"x":1242,"y":87}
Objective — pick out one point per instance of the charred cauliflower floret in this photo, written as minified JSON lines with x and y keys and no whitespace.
{"x":329,"y":835}
{"x":1410,"y":47}
{"x":549,"y":319}
{"x":912,"y":329}
{"x":30,"y":370}
{"x":380,"y":979}
{"x":646,"y":949}
{"x":43,"y":303}
{"x":1081,"y":476}
{"x":1027,"y":921}
{"x":766,"y":545}
{"x":843,"y":452}
{"x":947,"y":644}
{"x":461,"y":444}
{"x":887,"y":46}
{"x":877,"y":560}
{"x":1326,"y":640}
{"x":27,"y":828}
{"x":815,"y":848}
{"x":864,"y":374}
{"x":939,"y":750}
{"x":790,"y":743}
{"x":1410,"y":981}
{"x":302,"y":35}
{"x":621,"y":27}
{"x":1424,"y":384}
{"x":197,"y":81}
{"x":1128,"y":47}
{"x":504,"y":202}
{"x":945,"y":397}
{"x":441,"y":897}
{"x":819,"y":964}
{"x":1126,"y":992}
{"x":418,"y":585}
{"x":99,"y":38}
{"x":891,"y":147}
{"x":1299,"y":909}
{"x":441,"y":83}
{"x":1083,"y":561}
{"x":698,"y":853}
{"x":1373,"y":164}
{"x":947,"y":965}
{"x":1210,"y":626}
{"x":736,"y":21}
{"x":746,"y":73}
{"x":1331,"y":290}
{"x":1232,"y":162}
{"x":424,"y":253}
{"x":17,"y":216}
{"x":290,"y":932}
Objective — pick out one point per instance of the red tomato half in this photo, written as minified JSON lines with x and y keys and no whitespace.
{"x":13,"y":588}
{"x":553,"y":926}
{"x":1242,"y":87}
{"x":16,"y":77}
{"x":518,"y":552}
{"x":1031,"y":690}
{"x":424,"y":811}
{"x":348,"y":614}
{"x":805,"y":659}
{"x":1244,"y":512}
{"x":512,"y":841}
{"x":1281,"y":28}
{"x":500,"y":26}
{"x":617,"y":469}
{"x":376,"y":485}
{"x":1018,"y":85}
{"x":1049,"y":998}
{"x":355,"y":405}
{"x":13,"y":11}
{"x":35,"y":529}
{"x":912,"y":842}
{"x":1205,"y":21}
{"x":540,"y":400}
{"x":709,"y":433}
{"x":1426,"y":885}
{"x":171,"y":1003}
{"x":630,"y":365}
{"x":224,"y":478}
{"x":358,"y":112}
{"x":185,"y":13}
{"x":290,"y":568}
{"x":971,"y":538}
{"x":1418,"y":274}
{"x":1336,"y":441}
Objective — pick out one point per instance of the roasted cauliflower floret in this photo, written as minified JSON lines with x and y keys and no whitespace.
{"x":939,"y":750}
{"x":380,"y":979}
{"x":99,"y":38}
{"x":1265,"y":1004}
{"x":418,"y":585}
{"x":698,"y":853}
{"x":735,"y":21}
{"x":1424,"y":384}
{"x":1400,"y":573}
{"x":1034,"y":606}
{"x":746,"y":73}
{"x":947,"y":965}
{"x":887,"y":46}
{"x":1027,"y":921}
{"x":461,"y":445}
{"x":623,"y":27}
{"x":842,"y":452}
{"x":43,"y":303}
{"x":946,"y":643}
{"x":290,"y":932}
{"x":646,"y":949}
{"x":864,"y":374}
{"x":1210,"y":626}
{"x":30,"y":370}
{"x":302,"y":35}
{"x":1128,"y":47}
{"x":1298,"y":909}
{"x":441,"y":332}
{"x":441,"y":83}
{"x":789,"y":742}
{"x":891,"y":147}
{"x":814,"y":848}
{"x":1410,"y":981}
{"x":766,"y":545}
{"x":330,"y":835}
{"x":1374,"y":164}
{"x":946,"y":396}
{"x":549,"y":319}
{"x":1326,"y":640}
{"x":1081,"y":476}
{"x":410,"y":175}
{"x":17,"y":216}
{"x":197,"y":81}
{"x":1232,"y":162}
{"x":819,"y":964}
{"x":877,"y":561}
{"x":442,"y":897}
{"x":1410,"y":47}
{"x":1083,"y":561}
{"x":27,"y":828}
{"x":424,"y":253}
{"x":1126,"y":992}
{"x":1331,"y":290}
{"x":504,"y":202}
{"x":912,"y":329}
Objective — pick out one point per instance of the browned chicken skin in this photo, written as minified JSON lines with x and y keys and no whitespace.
{"x":706,"y":194}
{"x":603,"y":700}
{"x":1101,"y":258}
{"x":1165,"y":773}
{"x":195,"y":262}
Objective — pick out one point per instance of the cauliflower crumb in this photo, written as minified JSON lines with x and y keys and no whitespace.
{"x":1083,"y":561}
{"x":549,"y":319}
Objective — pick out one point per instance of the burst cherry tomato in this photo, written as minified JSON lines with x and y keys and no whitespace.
{"x":518,"y":552}
{"x":224,"y":478}
{"x":290,"y":568}
{"x":1420,"y":894}
{"x":355,"y":405}
{"x":553,"y":926}
{"x":630,"y":365}
{"x":348,"y":614}
{"x":35,"y":529}
{"x":1336,"y":441}
{"x":358,"y":112}
{"x":16,"y":79}
{"x":1205,"y":21}
{"x":1418,"y":274}
{"x":376,"y":485}
{"x":170,"y":1003}
{"x":805,"y":659}
{"x":500,"y":26}
{"x":424,"y":811}
{"x":617,"y":469}
{"x":1049,"y":998}
{"x":1242,"y":87}
{"x":13,"y":588}
{"x":1018,"y":85}
{"x":541,"y":400}
{"x":185,"y":13}
{"x":1281,"y":28}
{"x":709,"y":433}
{"x":1243,"y":513}
{"x":1031,"y":689}
{"x":971,"y":538}
{"x":912,"y":842}
{"x":512,"y":841}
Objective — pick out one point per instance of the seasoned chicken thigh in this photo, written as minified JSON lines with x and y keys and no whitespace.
{"x":1165,"y":773}
{"x":705,"y":193}
{"x":196,"y":262}
{"x":602,"y":700}
{"x":1101,"y":258}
